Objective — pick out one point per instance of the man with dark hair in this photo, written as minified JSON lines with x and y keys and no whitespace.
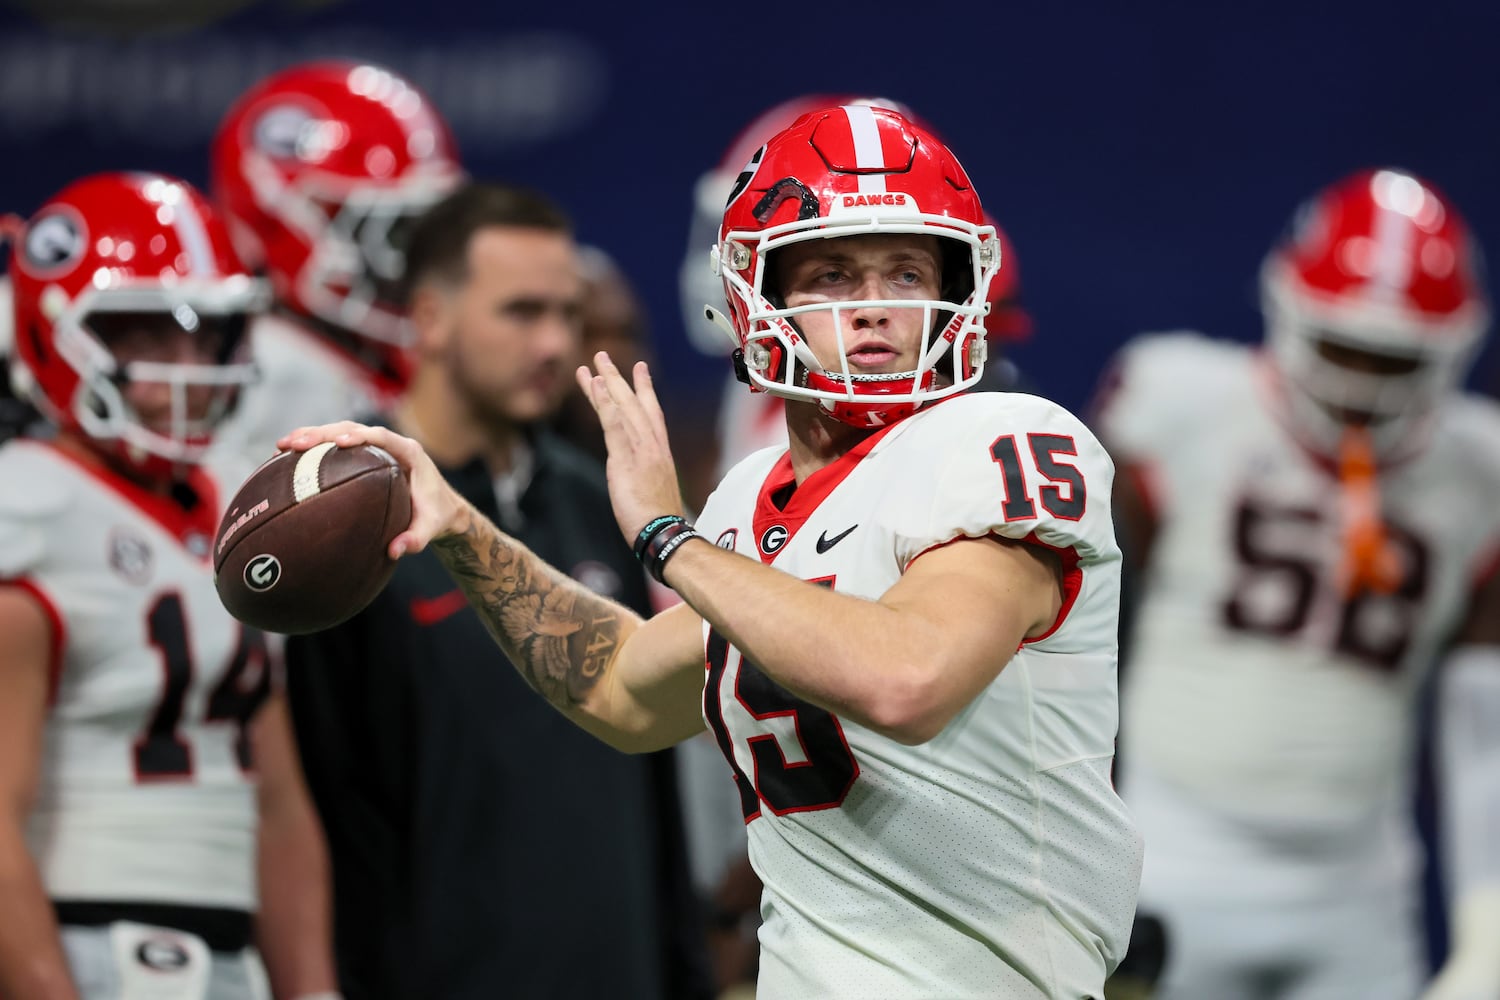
{"x":438,"y":248}
{"x":482,"y":845}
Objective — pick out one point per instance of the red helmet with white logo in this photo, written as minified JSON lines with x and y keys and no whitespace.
{"x":108,"y":254}
{"x":1374,"y":305}
{"x":697,"y":284}
{"x":319,"y":170}
{"x":848,"y":171}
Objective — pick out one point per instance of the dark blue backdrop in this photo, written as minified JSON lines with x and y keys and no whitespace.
{"x":1141,"y":160}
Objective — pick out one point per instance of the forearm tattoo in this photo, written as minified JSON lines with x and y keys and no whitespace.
{"x":559,"y":634}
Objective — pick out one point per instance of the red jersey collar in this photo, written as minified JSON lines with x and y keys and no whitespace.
{"x":774,"y":526}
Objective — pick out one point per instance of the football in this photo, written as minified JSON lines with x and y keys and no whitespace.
{"x":303,"y":543}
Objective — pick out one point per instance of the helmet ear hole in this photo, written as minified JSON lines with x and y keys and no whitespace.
{"x":957,"y":281}
{"x":770,"y":284}
{"x":957,"y":274}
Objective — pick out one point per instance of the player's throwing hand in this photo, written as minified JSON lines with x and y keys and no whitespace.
{"x":435,"y":509}
{"x":642,"y":477}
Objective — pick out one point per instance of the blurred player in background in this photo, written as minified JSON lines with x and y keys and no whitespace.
{"x":507,"y":852}
{"x":908,"y":615}
{"x":611,"y":319}
{"x":1317,"y":525}
{"x":319,"y":171}
{"x":145,"y":755}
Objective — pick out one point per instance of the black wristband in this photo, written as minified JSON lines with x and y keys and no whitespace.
{"x":665,"y":542}
{"x":653,"y":527}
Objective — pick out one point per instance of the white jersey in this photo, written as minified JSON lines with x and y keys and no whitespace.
{"x":303,"y":380}
{"x":146,"y":792}
{"x":1256,"y":688}
{"x":995,"y":860}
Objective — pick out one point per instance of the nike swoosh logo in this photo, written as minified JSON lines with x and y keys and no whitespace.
{"x":431,"y":610}
{"x":825,"y":543}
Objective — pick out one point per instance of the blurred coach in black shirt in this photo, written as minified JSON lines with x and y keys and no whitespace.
{"x":483,"y":846}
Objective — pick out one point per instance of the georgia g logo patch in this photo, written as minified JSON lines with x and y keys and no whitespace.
{"x":129,"y":555}
{"x":262,"y":572}
{"x":773,"y":538}
{"x":277,"y":132}
{"x":53,"y":243}
{"x":289,"y":132}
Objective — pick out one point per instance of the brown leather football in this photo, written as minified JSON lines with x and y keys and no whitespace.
{"x":303,"y":544}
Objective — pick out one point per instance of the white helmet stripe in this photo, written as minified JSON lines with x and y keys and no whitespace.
{"x":194,"y":236}
{"x":1390,"y":271}
{"x":867,"y":149}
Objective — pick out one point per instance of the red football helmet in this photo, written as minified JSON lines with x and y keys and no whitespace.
{"x":320,"y":170}
{"x":1374,"y":307}
{"x":849,"y":171}
{"x":696,"y":281}
{"x":1006,"y":322}
{"x":110,"y":253}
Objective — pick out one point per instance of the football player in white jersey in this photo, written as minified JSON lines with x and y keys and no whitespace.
{"x":748,"y":422}
{"x":320,"y":170}
{"x":1317,"y":527}
{"x":900,"y":627}
{"x":144,"y":756}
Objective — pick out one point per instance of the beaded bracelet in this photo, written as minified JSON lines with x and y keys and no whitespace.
{"x":663,"y":543}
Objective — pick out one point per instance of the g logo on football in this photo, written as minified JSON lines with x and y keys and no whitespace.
{"x":262,"y":572}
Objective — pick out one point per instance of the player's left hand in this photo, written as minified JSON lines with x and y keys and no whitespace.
{"x":642,"y":477}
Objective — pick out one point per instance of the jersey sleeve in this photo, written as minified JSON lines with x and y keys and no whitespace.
{"x":31,"y":500}
{"x":1153,"y":384}
{"x":1020,"y":467}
